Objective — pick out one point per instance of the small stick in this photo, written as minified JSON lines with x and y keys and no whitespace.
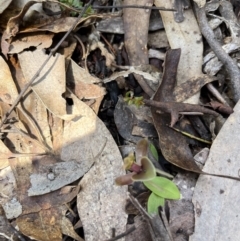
{"x":166,"y":224}
{"x":130,"y":230}
{"x":53,"y":51}
{"x":135,"y":6}
{"x":191,"y":136}
{"x":216,"y":94}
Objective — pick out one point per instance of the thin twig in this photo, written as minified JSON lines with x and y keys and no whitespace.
{"x":117,"y":6}
{"x":53,"y":51}
{"x":165,"y":222}
{"x":84,"y":56}
{"x":135,"y":6}
{"x":216,"y":94}
{"x":130,"y":230}
{"x":82,"y":45}
{"x":191,"y":136}
{"x":108,"y":44}
{"x":227,"y":61}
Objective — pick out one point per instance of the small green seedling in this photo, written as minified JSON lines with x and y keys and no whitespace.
{"x":133,"y":100}
{"x":143,"y":170}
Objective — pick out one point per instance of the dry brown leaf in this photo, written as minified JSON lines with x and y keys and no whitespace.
{"x":69,"y":49}
{"x":68,"y":229}
{"x":100,"y":200}
{"x":56,"y":127}
{"x":110,"y":58}
{"x":35,"y":22}
{"x":51,"y":84}
{"x":44,"y":209}
{"x":81,"y":82}
{"x":79,"y":74}
{"x":24,"y":41}
{"x":8,"y":90}
{"x":5,"y":154}
{"x":44,"y":225}
{"x":91,"y":137}
{"x":187,"y":36}
{"x":31,"y":110}
{"x":8,"y":194}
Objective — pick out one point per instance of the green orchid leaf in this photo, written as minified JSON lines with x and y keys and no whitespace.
{"x":148,"y":171}
{"x":163,"y":187}
{"x":153,"y":150}
{"x":154,"y":201}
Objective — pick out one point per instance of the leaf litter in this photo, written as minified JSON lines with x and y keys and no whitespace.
{"x":59,"y":160}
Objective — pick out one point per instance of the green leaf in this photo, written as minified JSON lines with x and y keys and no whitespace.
{"x":154,"y":201}
{"x":163,"y":187}
{"x":153,"y":151}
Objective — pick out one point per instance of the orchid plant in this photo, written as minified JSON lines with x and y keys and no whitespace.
{"x":142,"y":169}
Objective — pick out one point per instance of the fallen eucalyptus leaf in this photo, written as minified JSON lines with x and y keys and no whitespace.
{"x":219,"y":196}
{"x":50,"y":84}
{"x":187,"y":36}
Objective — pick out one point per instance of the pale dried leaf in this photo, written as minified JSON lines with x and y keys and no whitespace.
{"x":82,"y":83}
{"x":109,"y":57}
{"x":69,"y":49}
{"x":78,"y":73}
{"x":5,"y":154}
{"x":216,"y":199}
{"x":51,"y":83}
{"x":52,"y":177}
{"x":8,"y":90}
{"x":100,"y":201}
{"x":44,"y":225}
{"x":68,"y":229}
{"x":24,"y":41}
{"x":212,"y":64}
{"x":200,"y":3}
{"x":187,"y":36}
{"x":147,"y":71}
{"x":158,"y":39}
{"x":8,"y":193}
{"x":4,"y":4}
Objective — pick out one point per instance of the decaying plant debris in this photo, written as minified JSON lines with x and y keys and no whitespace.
{"x":82,"y":81}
